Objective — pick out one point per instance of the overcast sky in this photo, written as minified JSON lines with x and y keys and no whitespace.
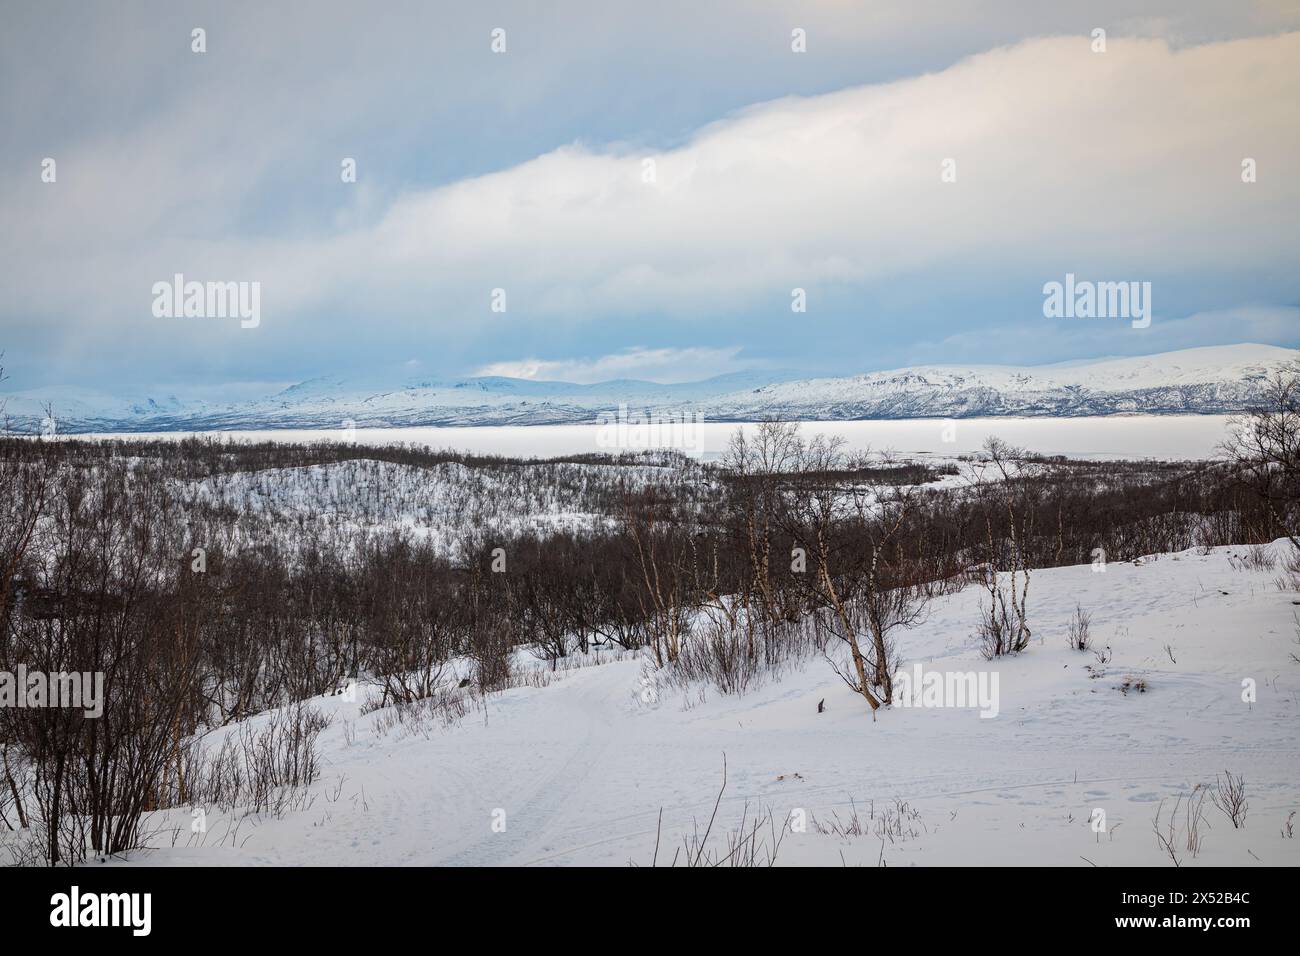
{"x":526,"y":171}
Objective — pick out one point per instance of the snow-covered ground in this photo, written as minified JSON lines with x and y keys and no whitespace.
{"x":439,"y":504}
{"x":579,"y":771}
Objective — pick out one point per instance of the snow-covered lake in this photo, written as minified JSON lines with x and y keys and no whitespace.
{"x":1136,"y":436}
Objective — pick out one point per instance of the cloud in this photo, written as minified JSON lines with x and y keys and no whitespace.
{"x":663,"y":365}
{"x":1118,"y":161}
{"x":1122,"y":165}
{"x":1051,"y":340}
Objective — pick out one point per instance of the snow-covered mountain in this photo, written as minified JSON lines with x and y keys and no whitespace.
{"x":1215,"y":380}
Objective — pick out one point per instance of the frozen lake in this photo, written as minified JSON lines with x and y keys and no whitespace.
{"x":1135,"y":436}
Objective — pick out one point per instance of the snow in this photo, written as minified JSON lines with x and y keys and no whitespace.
{"x":1215,"y":380}
{"x":1164,"y":437}
{"x":583,"y":766}
{"x":1203,"y":380}
{"x":439,"y":504}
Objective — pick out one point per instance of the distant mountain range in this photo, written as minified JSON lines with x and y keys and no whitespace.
{"x":1215,"y":380}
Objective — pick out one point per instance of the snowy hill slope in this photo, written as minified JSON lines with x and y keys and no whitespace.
{"x":1217,"y":380}
{"x":347,"y":501}
{"x":578,"y":772}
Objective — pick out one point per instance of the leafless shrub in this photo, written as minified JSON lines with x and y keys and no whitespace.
{"x":1077,"y":631}
{"x":1167,"y":837}
{"x":1259,"y":557}
{"x":261,"y":762}
{"x":1005,"y":482}
{"x":754,"y":842}
{"x":1229,"y":795}
{"x":1290,"y":579}
{"x":724,"y":652}
{"x":444,"y":708}
{"x":1194,"y":816}
{"x":851,"y":828}
{"x":23,"y":848}
{"x":895,"y":823}
{"x":721,"y":653}
{"x":899,"y":822}
{"x":1101,"y":658}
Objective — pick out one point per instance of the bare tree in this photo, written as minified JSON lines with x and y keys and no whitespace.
{"x":1002,"y":482}
{"x":663,"y":559}
{"x":1077,"y":634}
{"x":858,"y":583}
{"x":1263,"y":448}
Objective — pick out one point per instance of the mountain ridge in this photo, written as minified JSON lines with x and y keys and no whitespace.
{"x":1208,"y":380}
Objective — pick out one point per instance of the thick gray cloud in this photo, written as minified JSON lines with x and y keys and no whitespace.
{"x":524,"y":171}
